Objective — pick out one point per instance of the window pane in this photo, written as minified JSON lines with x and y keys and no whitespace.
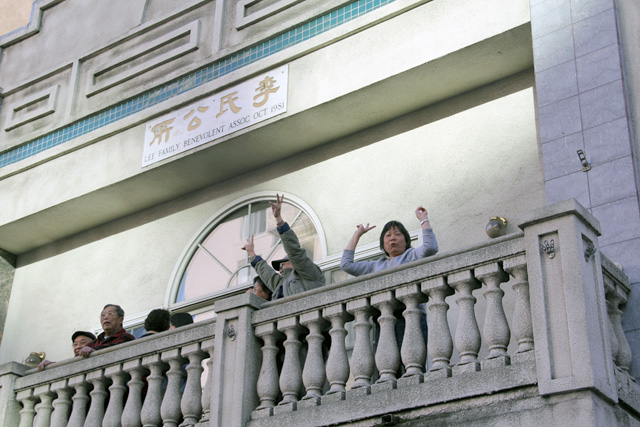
{"x":202,"y":276}
{"x":221,"y":262}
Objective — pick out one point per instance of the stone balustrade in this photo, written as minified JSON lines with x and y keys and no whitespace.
{"x":510,"y":323}
{"x":149,"y":382}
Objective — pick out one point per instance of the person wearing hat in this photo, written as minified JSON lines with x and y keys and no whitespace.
{"x":79,"y":340}
{"x":297,"y":272}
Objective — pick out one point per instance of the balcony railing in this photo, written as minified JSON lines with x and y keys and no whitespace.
{"x":531,"y":314}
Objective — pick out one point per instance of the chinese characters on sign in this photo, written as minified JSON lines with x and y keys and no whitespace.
{"x":211,"y":118}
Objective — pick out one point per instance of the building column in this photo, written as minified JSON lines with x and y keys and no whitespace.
{"x":236,"y":362}
{"x":568,"y":305}
{"x":585,"y":102}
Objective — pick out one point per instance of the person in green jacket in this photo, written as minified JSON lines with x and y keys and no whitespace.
{"x":296,"y":272}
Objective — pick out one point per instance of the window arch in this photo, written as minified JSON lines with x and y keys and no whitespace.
{"x":213,"y":264}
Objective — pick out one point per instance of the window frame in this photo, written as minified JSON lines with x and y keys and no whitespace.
{"x":198,"y":303}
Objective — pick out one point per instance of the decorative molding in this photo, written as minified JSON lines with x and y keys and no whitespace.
{"x":244,"y":19}
{"x":16,"y":119}
{"x":98,"y":83}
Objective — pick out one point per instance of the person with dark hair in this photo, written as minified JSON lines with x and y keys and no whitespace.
{"x":79,"y":340}
{"x":157,"y":321}
{"x":395,"y":241}
{"x":111,"y":319}
{"x":297,"y":272}
{"x":180,"y":319}
{"x":260,"y":289}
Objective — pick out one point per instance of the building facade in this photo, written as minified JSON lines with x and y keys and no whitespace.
{"x":141,"y":142}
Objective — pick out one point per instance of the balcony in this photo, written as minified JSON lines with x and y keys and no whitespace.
{"x":523,"y":330}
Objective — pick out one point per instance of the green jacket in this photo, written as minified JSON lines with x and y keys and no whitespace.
{"x":304,"y":276}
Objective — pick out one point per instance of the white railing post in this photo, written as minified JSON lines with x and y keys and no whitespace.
{"x":620,"y":349}
{"x":133,"y":407}
{"x":414,"y":349}
{"x":314,"y":374}
{"x":44,"y":408}
{"x":170,"y":407}
{"x":268,"y":385}
{"x":468,"y":339}
{"x":440,"y":343}
{"x":568,"y":305}
{"x":521,"y":326}
{"x":117,"y":390}
{"x":191,"y":404}
{"x":61,"y":404}
{"x":150,"y":414}
{"x":337,"y":362}
{"x":496,"y":332}
{"x":387,"y":352}
{"x":28,"y":412}
{"x":207,"y":346}
{"x":362,"y":362}
{"x":291,"y":376}
{"x":80,"y":400}
{"x":98,"y":398}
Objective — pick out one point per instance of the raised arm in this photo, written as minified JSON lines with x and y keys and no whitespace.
{"x":360,"y":230}
{"x":429,"y":243}
{"x":264,"y":270}
{"x":347,"y":264}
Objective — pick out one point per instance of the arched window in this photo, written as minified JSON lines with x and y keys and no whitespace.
{"x":214,"y":264}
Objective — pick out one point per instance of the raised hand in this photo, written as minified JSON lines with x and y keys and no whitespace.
{"x":361,"y":229}
{"x":276,"y":208}
{"x":249,"y":247}
{"x":422,"y":214}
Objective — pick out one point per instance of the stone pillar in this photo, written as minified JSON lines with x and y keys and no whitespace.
{"x":587,"y":78}
{"x":568,"y":305}
{"x":236,"y":362}
{"x":9,"y":405}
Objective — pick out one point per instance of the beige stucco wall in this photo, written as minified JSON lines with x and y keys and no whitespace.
{"x":465,"y":160}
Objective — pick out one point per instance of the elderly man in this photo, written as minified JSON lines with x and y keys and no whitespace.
{"x":111,"y":320}
{"x":79,"y":340}
{"x":297,"y":272}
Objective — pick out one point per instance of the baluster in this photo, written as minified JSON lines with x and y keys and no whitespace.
{"x":98,"y":398}
{"x":133,"y":407}
{"x":362,"y":361}
{"x":291,"y":376}
{"x":44,"y":408}
{"x":337,"y":362}
{"x":191,"y":403}
{"x":150,"y":415}
{"x":414,"y":350}
{"x":80,"y":401}
{"x":613,"y":338}
{"x":467,"y":332}
{"x":61,"y":405}
{"x":615,"y":299}
{"x":387,"y":352}
{"x":113,"y":414}
{"x":267,"y":386}
{"x":440,"y":345}
{"x":522,"y":326}
{"x":313,"y":375}
{"x":27,"y":413}
{"x":207,"y":346}
{"x":496,"y":331}
{"x":170,"y":408}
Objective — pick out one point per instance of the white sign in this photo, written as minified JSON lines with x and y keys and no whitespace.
{"x":211,"y":118}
